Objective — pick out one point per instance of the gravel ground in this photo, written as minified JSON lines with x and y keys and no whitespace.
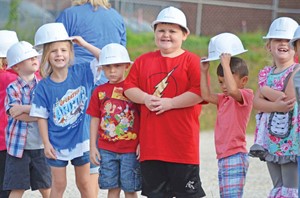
{"x":258,"y":182}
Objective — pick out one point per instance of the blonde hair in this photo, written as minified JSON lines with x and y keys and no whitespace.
{"x":95,"y":3}
{"x":3,"y":63}
{"x":46,"y":68}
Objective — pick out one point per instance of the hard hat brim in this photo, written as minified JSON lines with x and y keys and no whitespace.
{"x":218,"y":58}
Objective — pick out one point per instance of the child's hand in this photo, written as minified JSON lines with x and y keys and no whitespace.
{"x":204,"y":66}
{"x":50,"y":151}
{"x":149,"y":101}
{"x":225,"y":59}
{"x":162,"y":105}
{"x":95,"y":156}
{"x":16,"y":110}
{"x":79,"y":40}
{"x":284,"y":106}
{"x":137,"y":152}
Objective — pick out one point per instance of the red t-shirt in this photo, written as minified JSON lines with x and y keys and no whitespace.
{"x":232,"y":120}
{"x":172,"y":136}
{"x":119,"y":118}
{"x":6,"y":77}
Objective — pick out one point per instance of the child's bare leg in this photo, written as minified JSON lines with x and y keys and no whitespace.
{"x":94,"y":184}
{"x":45,"y":192}
{"x":59,"y":182}
{"x":16,"y":193}
{"x":82,"y":174}
{"x":114,"y":193}
{"x":131,"y":195}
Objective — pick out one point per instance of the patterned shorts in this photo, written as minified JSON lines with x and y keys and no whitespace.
{"x":232,"y":175}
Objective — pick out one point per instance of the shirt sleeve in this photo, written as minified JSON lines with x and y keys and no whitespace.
{"x":39,"y":104}
{"x":248,"y":96}
{"x":13,"y":96}
{"x":93,"y":107}
{"x":194,"y":75}
{"x":132,"y":80}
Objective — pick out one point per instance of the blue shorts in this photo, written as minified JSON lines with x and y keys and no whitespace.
{"x":78,"y":161}
{"x":119,"y":170}
{"x":232,"y":175}
{"x":94,"y":169}
{"x":30,"y":171}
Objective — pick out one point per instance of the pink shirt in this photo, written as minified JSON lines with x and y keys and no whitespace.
{"x":232,"y":120}
{"x":6,"y":77}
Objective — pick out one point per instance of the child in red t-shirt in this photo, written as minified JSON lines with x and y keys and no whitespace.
{"x":166,"y":83}
{"x":115,"y":127}
{"x":7,"y":39}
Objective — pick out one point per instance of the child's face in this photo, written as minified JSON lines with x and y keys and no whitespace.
{"x":169,"y":38}
{"x":59,"y":56}
{"x":240,"y":82}
{"x":280,"y":50}
{"x":115,"y":73}
{"x":297,"y":47}
{"x":28,"y":66}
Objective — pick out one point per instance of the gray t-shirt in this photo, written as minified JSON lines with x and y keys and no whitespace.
{"x":33,"y":140}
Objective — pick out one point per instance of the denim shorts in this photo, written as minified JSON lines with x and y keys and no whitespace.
{"x":119,"y":170}
{"x":78,"y":161}
{"x":30,"y":171}
{"x":94,"y":169}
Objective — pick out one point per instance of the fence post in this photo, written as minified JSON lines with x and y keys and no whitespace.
{"x":199,"y":19}
{"x":275,"y":9}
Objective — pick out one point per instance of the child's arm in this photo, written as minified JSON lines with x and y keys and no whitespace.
{"x":81,"y":42}
{"x":43,"y":128}
{"x":279,"y":105}
{"x":138,"y":96}
{"x":271,"y":94}
{"x":21,"y":112}
{"x":205,"y":89}
{"x":94,"y":153}
{"x":231,"y":86}
{"x":161,"y":105}
{"x":137,"y":152}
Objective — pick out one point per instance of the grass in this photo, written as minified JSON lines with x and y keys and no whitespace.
{"x":256,"y":58}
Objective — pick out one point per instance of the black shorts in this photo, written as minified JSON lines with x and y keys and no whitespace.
{"x":30,"y":171}
{"x":3,"y":193}
{"x":166,"y":180}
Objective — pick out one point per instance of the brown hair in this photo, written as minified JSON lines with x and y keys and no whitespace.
{"x":46,"y":68}
{"x":95,"y":3}
{"x":182,"y":28}
{"x":237,"y":66}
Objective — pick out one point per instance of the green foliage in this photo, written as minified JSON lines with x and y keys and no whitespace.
{"x":13,"y":14}
{"x":256,"y":58}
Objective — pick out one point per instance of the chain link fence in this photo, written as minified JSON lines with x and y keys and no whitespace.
{"x":205,"y":17}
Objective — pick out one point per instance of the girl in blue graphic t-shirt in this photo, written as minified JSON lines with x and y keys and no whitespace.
{"x":59,"y":102}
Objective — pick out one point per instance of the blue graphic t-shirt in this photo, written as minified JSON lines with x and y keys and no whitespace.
{"x":64,"y":105}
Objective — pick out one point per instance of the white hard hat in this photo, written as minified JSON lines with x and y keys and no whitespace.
{"x":296,"y":37}
{"x":171,"y":15}
{"x":7,"y":39}
{"x":19,"y":52}
{"x":50,"y":32}
{"x":113,"y":53}
{"x":224,"y":43}
{"x":282,"y":28}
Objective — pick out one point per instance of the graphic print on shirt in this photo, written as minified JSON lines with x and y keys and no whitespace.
{"x":67,"y":110}
{"x":162,"y":84}
{"x":118,"y":119}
